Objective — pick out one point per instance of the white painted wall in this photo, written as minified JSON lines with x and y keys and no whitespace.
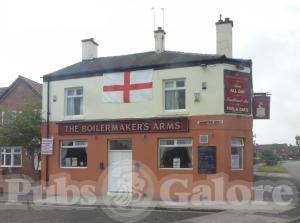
{"x":211,"y":100}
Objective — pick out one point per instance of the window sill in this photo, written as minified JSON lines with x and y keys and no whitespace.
{"x":74,"y":117}
{"x":11,"y":166}
{"x":237,"y":169}
{"x":175,"y":168}
{"x":74,"y":167}
{"x":174,"y":112}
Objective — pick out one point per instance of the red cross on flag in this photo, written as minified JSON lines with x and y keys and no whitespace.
{"x":128,"y":86}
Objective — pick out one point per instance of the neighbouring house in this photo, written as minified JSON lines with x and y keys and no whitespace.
{"x":172,"y":114}
{"x":294,"y":152}
{"x":281,"y":150}
{"x":23,"y":91}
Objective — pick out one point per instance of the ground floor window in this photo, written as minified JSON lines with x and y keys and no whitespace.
{"x":11,"y":157}
{"x":237,"y":153}
{"x":175,"y":153}
{"x":73,"y":153}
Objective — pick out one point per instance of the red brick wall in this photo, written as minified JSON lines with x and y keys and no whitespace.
{"x":145,"y":146}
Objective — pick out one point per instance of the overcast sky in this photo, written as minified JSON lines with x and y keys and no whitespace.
{"x":41,"y":36}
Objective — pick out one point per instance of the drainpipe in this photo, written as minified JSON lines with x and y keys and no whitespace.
{"x":48,"y":129}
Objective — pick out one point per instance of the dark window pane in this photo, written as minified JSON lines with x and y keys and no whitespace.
{"x":17,"y":160}
{"x":176,"y":157}
{"x":207,"y":160}
{"x":120,"y":144}
{"x":74,"y":157}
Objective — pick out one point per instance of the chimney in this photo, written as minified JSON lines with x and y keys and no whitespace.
{"x":224,"y":36}
{"x":89,"y":49}
{"x":159,"y":36}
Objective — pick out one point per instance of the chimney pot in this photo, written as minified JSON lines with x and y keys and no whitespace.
{"x":89,"y":49}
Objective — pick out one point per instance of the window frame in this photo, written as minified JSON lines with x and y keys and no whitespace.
{"x":14,"y":112}
{"x":240,"y":146}
{"x":73,"y":147}
{"x":12,"y":153}
{"x":73,"y":96}
{"x":174,"y":145}
{"x":172,"y":89}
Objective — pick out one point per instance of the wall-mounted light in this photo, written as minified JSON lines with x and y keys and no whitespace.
{"x":54,"y":98}
{"x":197,"y":97}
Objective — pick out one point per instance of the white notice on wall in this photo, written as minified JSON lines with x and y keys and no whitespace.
{"x":235,"y":162}
{"x":176,"y":162}
{"x":47,"y":146}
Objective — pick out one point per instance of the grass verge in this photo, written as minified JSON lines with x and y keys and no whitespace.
{"x":272,"y":169}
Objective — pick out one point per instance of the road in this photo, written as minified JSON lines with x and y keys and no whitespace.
{"x":293,"y":168}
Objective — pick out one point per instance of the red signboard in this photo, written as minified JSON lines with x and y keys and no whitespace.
{"x":124,"y":126}
{"x":261,"y":107}
{"x":237,"y":97}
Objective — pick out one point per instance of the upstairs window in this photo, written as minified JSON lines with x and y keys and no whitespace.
{"x":8,"y":117}
{"x":74,"y":100}
{"x":174,"y":95}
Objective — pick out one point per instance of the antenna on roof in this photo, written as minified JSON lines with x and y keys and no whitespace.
{"x":163,"y":17}
{"x":153,"y":9}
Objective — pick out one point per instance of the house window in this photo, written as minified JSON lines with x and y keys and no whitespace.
{"x":174,"y":94}
{"x":74,"y":98}
{"x":8,"y":117}
{"x":175,"y":153}
{"x":237,"y":153}
{"x":73,"y":154}
{"x":11,"y":157}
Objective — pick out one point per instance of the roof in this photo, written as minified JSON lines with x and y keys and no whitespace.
{"x":146,"y":60}
{"x":35,"y":86}
{"x":2,"y":90}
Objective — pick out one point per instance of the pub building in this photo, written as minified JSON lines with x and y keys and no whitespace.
{"x":173,"y":113}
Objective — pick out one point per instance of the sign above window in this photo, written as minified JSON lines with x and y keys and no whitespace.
{"x":124,"y":126}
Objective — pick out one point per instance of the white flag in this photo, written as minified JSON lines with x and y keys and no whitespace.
{"x":128,"y":86}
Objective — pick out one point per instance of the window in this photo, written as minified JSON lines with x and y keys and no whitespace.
{"x":74,"y":98}
{"x":207,"y":160}
{"x":73,"y":153}
{"x":11,"y":157}
{"x":237,"y":153}
{"x":175,"y":153}
{"x":8,"y":117}
{"x":174,"y":94}
{"x":203,"y":139}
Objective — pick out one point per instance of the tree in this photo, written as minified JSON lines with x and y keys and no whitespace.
{"x":269,"y":157}
{"x":297,"y":140}
{"x":22,"y":129}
